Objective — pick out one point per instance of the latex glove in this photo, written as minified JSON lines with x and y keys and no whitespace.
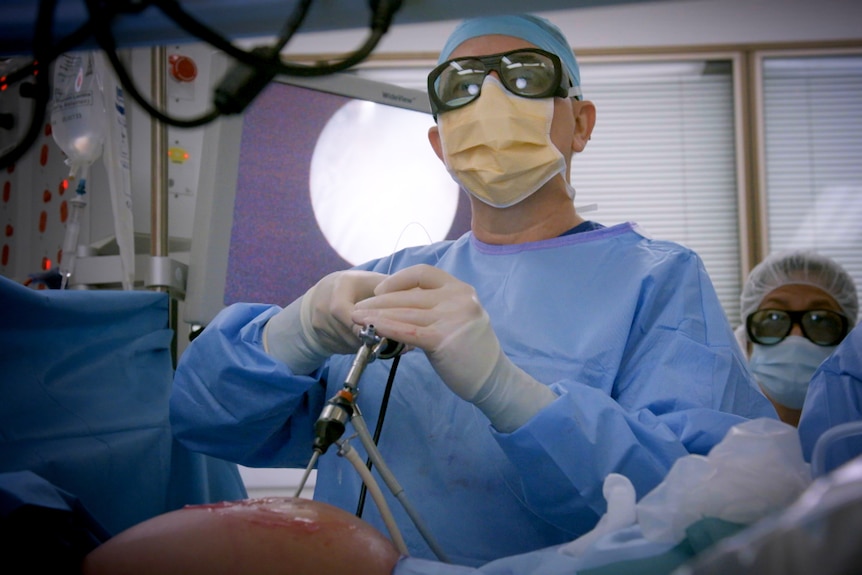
{"x":620,"y":496}
{"x":318,"y":324}
{"x":426,"y":307}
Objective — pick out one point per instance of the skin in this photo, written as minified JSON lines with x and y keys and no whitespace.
{"x":550,"y":211}
{"x":795,"y":297}
{"x":272,"y":536}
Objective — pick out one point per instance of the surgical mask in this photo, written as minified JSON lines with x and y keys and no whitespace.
{"x":499,"y":147}
{"x":784,"y":369}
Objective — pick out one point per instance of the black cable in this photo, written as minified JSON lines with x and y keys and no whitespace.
{"x":383,"y":13}
{"x":292,"y":24}
{"x":383,"y":405}
{"x":243,"y":83}
{"x":255,"y":70}
{"x":41,"y":93}
{"x":263,"y":63}
{"x":51,"y":53}
{"x":101,"y":24}
{"x":245,"y":80}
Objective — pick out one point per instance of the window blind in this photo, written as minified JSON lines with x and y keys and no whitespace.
{"x":663,"y":154}
{"x":812,"y":125}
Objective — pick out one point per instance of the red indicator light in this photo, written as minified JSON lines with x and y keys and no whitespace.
{"x":46,"y":264}
{"x":64,"y":211}
{"x":43,"y":221}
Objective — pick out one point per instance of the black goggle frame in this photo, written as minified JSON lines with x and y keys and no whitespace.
{"x":560,"y":86}
{"x":806,"y":319}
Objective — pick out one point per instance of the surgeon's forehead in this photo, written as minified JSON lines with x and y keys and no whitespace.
{"x":489,"y":44}
{"x":799,"y":297}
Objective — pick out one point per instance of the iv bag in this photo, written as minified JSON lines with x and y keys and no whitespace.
{"x":78,"y":124}
{"x":78,"y":118}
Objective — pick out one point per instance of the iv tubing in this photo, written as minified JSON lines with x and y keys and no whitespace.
{"x":374,"y":454}
{"x":73,"y":229}
{"x":376,"y":494}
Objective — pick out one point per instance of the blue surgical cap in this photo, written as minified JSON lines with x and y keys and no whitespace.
{"x":534,"y":29}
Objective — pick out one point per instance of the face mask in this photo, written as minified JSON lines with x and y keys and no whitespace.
{"x":499,"y":147}
{"x":784,"y":369}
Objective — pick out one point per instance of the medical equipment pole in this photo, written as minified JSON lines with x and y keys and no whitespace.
{"x":159,"y":176}
{"x":159,"y":151}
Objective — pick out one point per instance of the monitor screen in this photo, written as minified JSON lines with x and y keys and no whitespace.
{"x":323,"y":181}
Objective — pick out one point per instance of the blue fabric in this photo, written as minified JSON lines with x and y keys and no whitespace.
{"x":586,"y":226}
{"x":536,"y":30}
{"x":835,"y":397}
{"x":627,"y":331}
{"x":43,"y":529}
{"x":86,"y":380}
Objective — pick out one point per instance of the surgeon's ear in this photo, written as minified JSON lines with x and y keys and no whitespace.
{"x":585,"y":120}
{"x":434,"y":138}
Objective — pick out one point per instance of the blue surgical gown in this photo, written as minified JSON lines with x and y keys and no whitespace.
{"x":626,"y":330}
{"x":835,"y":397}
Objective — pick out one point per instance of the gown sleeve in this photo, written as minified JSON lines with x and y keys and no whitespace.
{"x":233,"y":401}
{"x":835,"y":398}
{"x":680,"y":386}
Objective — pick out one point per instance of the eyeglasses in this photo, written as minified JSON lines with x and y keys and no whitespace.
{"x":527,"y":72}
{"x":770,"y":326}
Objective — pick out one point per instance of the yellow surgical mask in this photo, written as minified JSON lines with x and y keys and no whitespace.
{"x":499,"y":147}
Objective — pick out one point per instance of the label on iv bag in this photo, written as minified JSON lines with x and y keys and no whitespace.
{"x":77,"y":111}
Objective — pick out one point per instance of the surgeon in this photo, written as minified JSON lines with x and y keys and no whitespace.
{"x":545,"y":350}
{"x":796,"y":307}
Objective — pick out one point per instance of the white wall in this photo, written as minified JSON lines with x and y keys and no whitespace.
{"x":641,"y":24}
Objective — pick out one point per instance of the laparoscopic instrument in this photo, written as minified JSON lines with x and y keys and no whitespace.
{"x":332,"y":422}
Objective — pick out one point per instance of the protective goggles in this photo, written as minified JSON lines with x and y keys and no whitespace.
{"x":770,"y":326}
{"x":527,"y":72}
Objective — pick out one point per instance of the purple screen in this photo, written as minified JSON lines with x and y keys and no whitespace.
{"x":277,"y":250}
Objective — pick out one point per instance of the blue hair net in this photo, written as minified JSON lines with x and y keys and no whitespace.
{"x":534,"y":29}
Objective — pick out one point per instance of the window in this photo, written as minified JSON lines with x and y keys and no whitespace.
{"x":663,"y":154}
{"x":812,"y":146}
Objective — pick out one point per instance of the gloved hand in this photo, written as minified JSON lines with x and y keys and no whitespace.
{"x":621,"y":498}
{"x":318,"y":324}
{"x":426,"y":307}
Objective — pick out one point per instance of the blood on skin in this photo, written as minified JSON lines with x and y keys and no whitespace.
{"x":254,"y":536}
